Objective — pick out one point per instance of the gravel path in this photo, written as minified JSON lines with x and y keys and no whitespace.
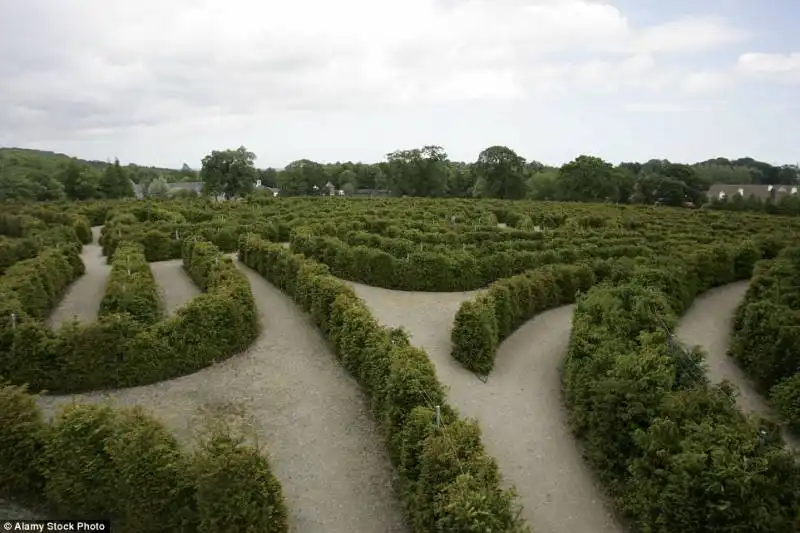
{"x":83,"y":297}
{"x":709,"y":323}
{"x":305,"y":408}
{"x":175,"y":285}
{"x":520,"y":409}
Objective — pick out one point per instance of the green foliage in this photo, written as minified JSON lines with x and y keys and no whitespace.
{"x":128,"y":346}
{"x":131,"y":286}
{"x":676,"y":453}
{"x":115,"y":183}
{"x":402,"y":385}
{"x":785,"y":396}
{"x":22,"y":439}
{"x":500,"y":174}
{"x":229,"y":172}
{"x":125,"y":466}
{"x":236,"y":490}
{"x":766,"y":337}
{"x":483,"y":323}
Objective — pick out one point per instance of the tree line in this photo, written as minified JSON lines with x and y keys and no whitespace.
{"x":498,"y":172}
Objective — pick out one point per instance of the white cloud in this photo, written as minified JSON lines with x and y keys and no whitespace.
{"x":784,"y":67}
{"x":706,"y":82}
{"x":135,"y":70}
{"x":655,"y":107}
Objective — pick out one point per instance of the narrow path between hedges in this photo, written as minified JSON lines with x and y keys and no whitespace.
{"x":83,"y":297}
{"x":302,"y":406}
{"x":709,"y":323}
{"x":520,"y":408}
{"x":175,"y":285}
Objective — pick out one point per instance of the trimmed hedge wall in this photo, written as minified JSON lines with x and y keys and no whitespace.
{"x":119,"y":350}
{"x":437,"y":271}
{"x":676,"y":453}
{"x":766,"y":337}
{"x":483,"y":322}
{"x":94,"y":461}
{"x":131,"y":286}
{"x":448,"y":482}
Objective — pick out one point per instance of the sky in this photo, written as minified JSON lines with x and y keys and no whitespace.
{"x":163,"y":83}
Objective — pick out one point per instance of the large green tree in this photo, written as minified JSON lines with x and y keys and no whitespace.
{"x":231,"y":173}
{"x":590,"y":179}
{"x":115,"y":183}
{"x":300,"y":178}
{"x":418,"y":172}
{"x":501,"y":173}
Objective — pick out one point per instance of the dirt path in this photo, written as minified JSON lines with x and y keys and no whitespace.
{"x":520,"y":409}
{"x":175,"y":285}
{"x":709,"y":323}
{"x":306,"y":410}
{"x":83,"y":297}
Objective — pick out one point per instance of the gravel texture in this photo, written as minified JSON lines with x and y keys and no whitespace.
{"x":709,"y":324}
{"x":298,"y":401}
{"x":520,"y":408}
{"x":83,"y":297}
{"x":175,"y":285}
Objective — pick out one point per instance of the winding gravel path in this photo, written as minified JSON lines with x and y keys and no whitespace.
{"x":305,"y":408}
{"x":520,"y":408}
{"x":709,"y":323}
{"x":175,"y":285}
{"x":82,"y":300}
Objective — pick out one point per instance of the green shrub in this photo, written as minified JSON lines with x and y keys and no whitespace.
{"x":785,"y":396}
{"x":22,"y":440}
{"x":131,"y":286}
{"x":81,"y":477}
{"x":403,"y":387}
{"x":236,"y":491}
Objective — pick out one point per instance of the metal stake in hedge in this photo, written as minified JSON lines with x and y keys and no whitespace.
{"x":13,"y":320}
{"x":177,"y":235}
{"x":438,"y":416}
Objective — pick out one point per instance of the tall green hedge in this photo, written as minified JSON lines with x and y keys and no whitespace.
{"x":131,"y":286}
{"x":483,"y":322}
{"x":766,"y":337}
{"x":120,"y":349}
{"x":448,"y":482}
{"x":676,"y":452}
{"x":123,"y":465}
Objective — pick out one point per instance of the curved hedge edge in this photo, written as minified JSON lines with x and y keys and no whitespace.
{"x":117,"y":351}
{"x":771,"y":310}
{"x":126,"y":466}
{"x":676,"y":454}
{"x":32,"y":288}
{"x":131,"y":287}
{"x":489,"y":318}
{"x":447,"y":481}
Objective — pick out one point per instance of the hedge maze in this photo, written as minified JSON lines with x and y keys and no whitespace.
{"x":643,"y":421}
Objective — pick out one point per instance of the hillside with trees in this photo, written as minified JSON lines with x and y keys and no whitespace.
{"x":497,"y":172}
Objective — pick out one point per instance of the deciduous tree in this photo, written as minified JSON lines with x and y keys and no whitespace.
{"x":230,"y":173}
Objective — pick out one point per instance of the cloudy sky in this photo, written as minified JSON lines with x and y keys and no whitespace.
{"x":165,"y":82}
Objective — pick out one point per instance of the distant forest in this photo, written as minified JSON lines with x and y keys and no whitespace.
{"x":498,"y":172}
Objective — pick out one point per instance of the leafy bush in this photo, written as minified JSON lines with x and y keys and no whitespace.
{"x":676,"y":453}
{"x":131,"y":286}
{"x":121,"y":349}
{"x":402,"y":385}
{"x":125,"y":466}
{"x":483,"y":323}
{"x":22,"y":440}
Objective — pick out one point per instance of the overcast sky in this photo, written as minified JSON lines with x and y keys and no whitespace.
{"x":164,"y":82}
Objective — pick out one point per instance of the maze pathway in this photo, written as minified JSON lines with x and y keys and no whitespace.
{"x":708,"y":323}
{"x":304,"y":408}
{"x":175,"y":285}
{"x":519,"y":409}
{"x":82,"y":300}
